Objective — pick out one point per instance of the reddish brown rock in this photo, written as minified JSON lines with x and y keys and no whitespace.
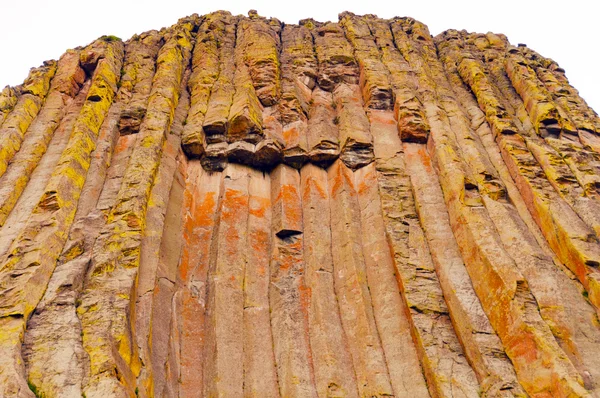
{"x":288,"y":293}
{"x":334,"y":372}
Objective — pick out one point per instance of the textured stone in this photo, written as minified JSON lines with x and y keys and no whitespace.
{"x":17,"y":122}
{"x":28,"y":267}
{"x":234,"y":206}
{"x":334,"y":373}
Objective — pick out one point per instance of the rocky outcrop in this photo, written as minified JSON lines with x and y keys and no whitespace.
{"x":234,"y":206}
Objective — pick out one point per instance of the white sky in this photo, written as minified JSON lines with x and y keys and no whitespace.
{"x":567,"y":31}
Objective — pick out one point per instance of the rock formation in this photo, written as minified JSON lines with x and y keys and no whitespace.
{"x":234,"y":206}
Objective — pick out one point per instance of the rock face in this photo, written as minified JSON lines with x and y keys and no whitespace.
{"x":234,"y":206}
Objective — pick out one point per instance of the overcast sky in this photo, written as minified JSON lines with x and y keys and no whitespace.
{"x":567,"y":31}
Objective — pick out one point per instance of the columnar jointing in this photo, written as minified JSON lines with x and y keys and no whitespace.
{"x":234,"y":206}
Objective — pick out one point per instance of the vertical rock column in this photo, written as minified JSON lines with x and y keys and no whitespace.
{"x":33,"y":95}
{"x":335,"y":64}
{"x":107,"y":308}
{"x":376,"y":88}
{"x":338,"y":73}
{"x":201,"y":203}
{"x":501,"y":288}
{"x":215,"y":123}
{"x":298,"y":66}
{"x":207,"y":64}
{"x":244,"y":123}
{"x":224,"y":346}
{"x":159,"y":256}
{"x":260,"y":375}
{"x":390,"y":311}
{"x":64,"y":87}
{"x":352,"y":290}
{"x":571,"y":320}
{"x":25,"y":274}
{"x":389,"y":308}
{"x":288,"y":294}
{"x":443,"y":359}
{"x":260,"y":43}
{"x":333,"y":367}
{"x":56,"y":313}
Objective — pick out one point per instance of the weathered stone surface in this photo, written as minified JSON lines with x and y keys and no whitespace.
{"x":374,"y":76}
{"x":288,"y":293}
{"x":352,"y":289}
{"x":353,"y":126}
{"x":8,"y":99}
{"x":260,"y":375}
{"x":221,"y":31}
{"x":40,"y":132}
{"x":322,"y":135}
{"x":201,"y":201}
{"x":390,"y":311}
{"x":34,"y":91}
{"x":28,"y":267}
{"x":107,"y":308}
{"x":234,"y":206}
{"x":520,"y":236}
{"x":298,"y":71}
{"x":443,"y":360}
{"x":334,"y":373}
